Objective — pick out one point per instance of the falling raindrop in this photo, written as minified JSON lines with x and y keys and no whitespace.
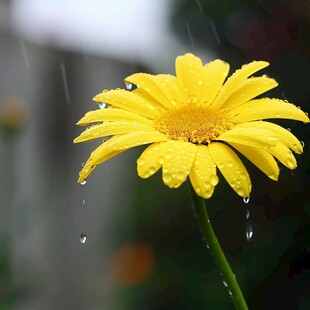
{"x":217,"y":37}
{"x":200,"y":6}
{"x":189,"y":34}
{"x":249,"y":232}
{"x":83,"y":201}
{"x":83,"y":238}
{"x":247,"y":214}
{"x":65,"y":82}
{"x":225,"y":283}
{"x":246,"y":199}
{"x":83,"y":182}
{"x":25,"y":54}
{"x":102,"y":105}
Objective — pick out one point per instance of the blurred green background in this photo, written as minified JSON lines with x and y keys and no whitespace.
{"x":143,"y":248}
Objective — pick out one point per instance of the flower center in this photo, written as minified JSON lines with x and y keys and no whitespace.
{"x":193,"y":124}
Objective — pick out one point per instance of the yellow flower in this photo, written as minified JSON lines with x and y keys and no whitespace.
{"x":195,"y":123}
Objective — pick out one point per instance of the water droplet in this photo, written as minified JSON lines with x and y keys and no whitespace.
{"x":247,"y":214}
{"x":83,"y":164}
{"x":225,"y":283}
{"x":249,"y":232}
{"x":128,"y":86}
{"x":290,"y":163}
{"x":83,"y":201}
{"x":83,"y":238}
{"x":302,"y":144}
{"x":140,"y":161}
{"x":214,"y":180}
{"x":102,"y":105}
{"x":83,"y":182}
{"x":246,"y":199}
{"x":200,"y":82}
{"x":289,"y":129}
{"x":167,"y":178}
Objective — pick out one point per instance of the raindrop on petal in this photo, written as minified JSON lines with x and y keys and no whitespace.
{"x":102,"y":105}
{"x":128,"y":86}
{"x":83,"y":238}
{"x":302,"y":144}
{"x":290,"y":163}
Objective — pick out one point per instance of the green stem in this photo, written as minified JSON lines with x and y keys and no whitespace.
{"x":216,"y":251}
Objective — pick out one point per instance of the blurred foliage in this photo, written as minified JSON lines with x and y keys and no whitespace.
{"x":273,"y":268}
{"x":13,"y":117}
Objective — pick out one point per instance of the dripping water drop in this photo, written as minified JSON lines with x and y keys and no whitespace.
{"x":83,"y":182}
{"x":102,"y":105}
{"x":83,"y":238}
{"x":128,"y":86}
{"x":246,"y":199}
{"x":302,"y":144}
{"x":249,"y":232}
{"x":247,"y":214}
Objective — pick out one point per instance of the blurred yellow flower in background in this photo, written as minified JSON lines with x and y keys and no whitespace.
{"x":195,"y":122}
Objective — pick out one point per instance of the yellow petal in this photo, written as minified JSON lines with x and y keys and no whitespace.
{"x":248,"y":89}
{"x":146,"y":96}
{"x":129,"y":101}
{"x":178,"y":161}
{"x":236,"y":78}
{"x":215,"y":74}
{"x":169,"y":84}
{"x":152,"y":159}
{"x":156,"y":86}
{"x":262,"y":159}
{"x":115,"y":146}
{"x":203,"y":173}
{"x":231,"y":167}
{"x":110,"y":115}
{"x":191,"y":78}
{"x":280,"y":133}
{"x":251,"y":136}
{"x":284,"y":155}
{"x":267,"y":108}
{"x":110,"y":129}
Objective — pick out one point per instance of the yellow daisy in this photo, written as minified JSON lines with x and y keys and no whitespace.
{"x":195,"y":123}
